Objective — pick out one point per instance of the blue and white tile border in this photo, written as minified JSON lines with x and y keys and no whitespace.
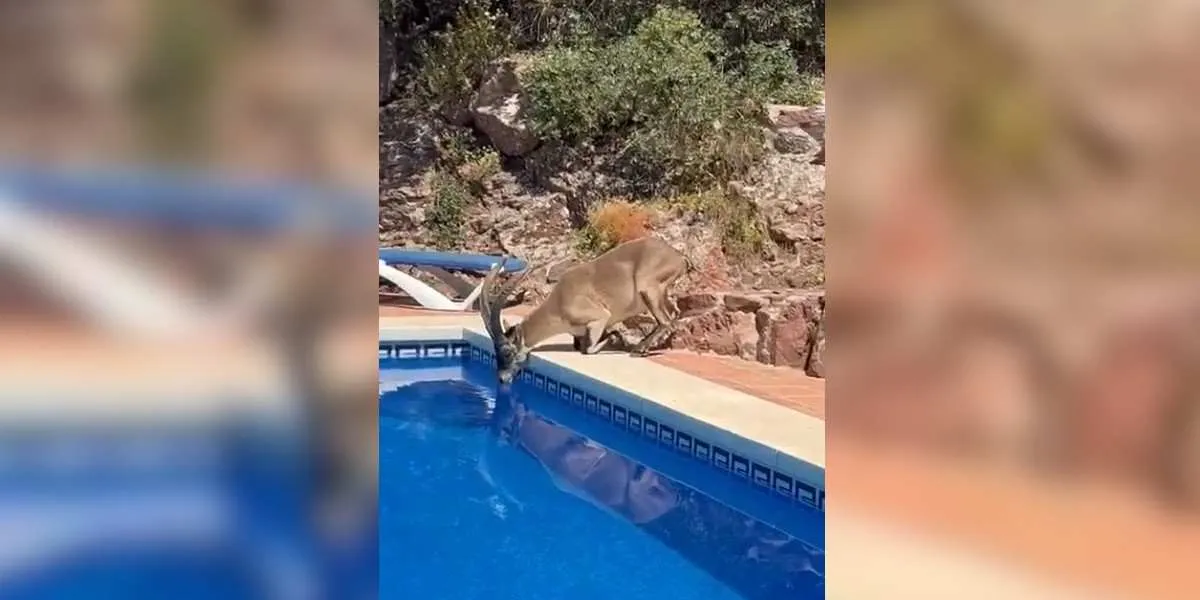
{"x":749,"y":461}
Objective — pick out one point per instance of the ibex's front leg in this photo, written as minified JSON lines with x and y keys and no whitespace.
{"x":598,"y":337}
{"x":656,"y":304}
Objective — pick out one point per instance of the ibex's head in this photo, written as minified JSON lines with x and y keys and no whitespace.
{"x":509,"y":343}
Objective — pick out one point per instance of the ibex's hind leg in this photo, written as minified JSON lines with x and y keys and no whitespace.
{"x":656,"y":304}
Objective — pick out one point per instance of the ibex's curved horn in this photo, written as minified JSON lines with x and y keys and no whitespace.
{"x":488,"y":307}
{"x":506,"y":291}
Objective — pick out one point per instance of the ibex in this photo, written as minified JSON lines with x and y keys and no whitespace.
{"x":589,"y":299}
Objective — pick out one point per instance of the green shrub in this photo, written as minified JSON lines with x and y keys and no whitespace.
{"x":569,"y":22}
{"x":678,"y":118}
{"x":446,"y":214}
{"x":457,"y":147}
{"x":737,"y":220}
{"x":478,"y":169}
{"x":454,"y":61}
{"x":577,"y":94}
{"x":766,"y":71}
{"x":797,"y":25}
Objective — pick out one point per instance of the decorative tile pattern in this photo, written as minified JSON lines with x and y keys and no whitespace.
{"x":415,"y":350}
{"x":759,"y":475}
{"x":650,"y":428}
{"x":740,"y":466}
{"x":666,"y":435}
{"x":620,"y":415}
{"x":683,"y":442}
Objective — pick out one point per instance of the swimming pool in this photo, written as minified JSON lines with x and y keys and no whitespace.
{"x":528,"y":495}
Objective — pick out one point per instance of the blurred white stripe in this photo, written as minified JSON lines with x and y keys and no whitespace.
{"x":37,"y":535}
{"x":868,"y":560}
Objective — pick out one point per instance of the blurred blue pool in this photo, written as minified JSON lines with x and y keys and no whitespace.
{"x":522,"y":496}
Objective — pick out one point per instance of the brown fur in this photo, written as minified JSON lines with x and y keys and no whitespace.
{"x":630,"y":280}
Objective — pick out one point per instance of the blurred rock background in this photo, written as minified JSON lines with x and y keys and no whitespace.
{"x":249,"y":86}
{"x":1013,"y":282}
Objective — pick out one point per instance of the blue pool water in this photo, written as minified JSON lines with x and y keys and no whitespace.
{"x":517,"y":496}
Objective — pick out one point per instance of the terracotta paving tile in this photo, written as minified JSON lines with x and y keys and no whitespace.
{"x":781,"y":385}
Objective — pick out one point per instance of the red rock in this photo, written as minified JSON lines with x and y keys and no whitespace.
{"x":816,"y":360}
{"x":729,"y":334}
{"x":788,"y":334}
{"x":696,"y":303}
{"x":809,"y":118}
{"x":744,"y":302}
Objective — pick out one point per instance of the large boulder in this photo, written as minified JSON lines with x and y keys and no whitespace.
{"x":498,"y":109}
{"x":797,"y":130}
{"x":782,"y":328}
{"x":816,"y":360}
{"x":809,"y":119}
{"x":788,"y":331}
{"x":794,"y":140}
{"x":720,"y":332}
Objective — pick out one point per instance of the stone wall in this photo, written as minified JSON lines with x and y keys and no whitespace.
{"x":784,"y":329}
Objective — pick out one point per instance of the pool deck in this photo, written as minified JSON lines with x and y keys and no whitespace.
{"x":689,"y":384}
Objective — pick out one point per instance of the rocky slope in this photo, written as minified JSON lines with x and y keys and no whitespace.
{"x":767,"y":307}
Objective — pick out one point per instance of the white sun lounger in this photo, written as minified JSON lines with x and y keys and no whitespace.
{"x":442,"y":265}
{"x":114,"y":288}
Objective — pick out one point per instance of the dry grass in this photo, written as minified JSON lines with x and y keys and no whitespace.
{"x":614,"y":222}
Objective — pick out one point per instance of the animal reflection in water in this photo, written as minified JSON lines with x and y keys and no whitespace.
{"x":740,"y":549}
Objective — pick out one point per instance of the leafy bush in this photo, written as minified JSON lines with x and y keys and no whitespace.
{"x":680,"y":119}
{"x":797,"y":25}
{"x":446,"y":215}
{"x":567,"y":22}
{"x":736,"y":219}
{"x":578,"y":94}
{"x":479,"y":169}
{"x":456,"y":147}
{"x":454,"y":61}
{"x":462,"y":154}
{"x":614,"y":222}
{"x":766,"y":71}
